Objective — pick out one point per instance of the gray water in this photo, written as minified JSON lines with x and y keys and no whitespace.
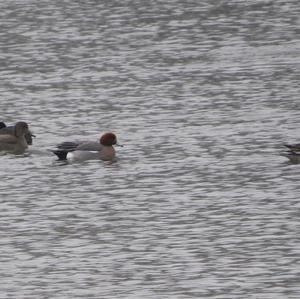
{"x":199,"y":204}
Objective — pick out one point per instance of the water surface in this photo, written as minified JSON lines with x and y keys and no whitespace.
{"x":199,"y":204}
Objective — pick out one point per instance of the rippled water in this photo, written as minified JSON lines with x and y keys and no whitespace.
{"x":199,"y":204}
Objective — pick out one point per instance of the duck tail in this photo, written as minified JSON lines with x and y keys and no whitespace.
{"x":61,"y":154}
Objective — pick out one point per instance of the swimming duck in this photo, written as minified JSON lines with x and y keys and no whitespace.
{"x":11,"y":129}
{"x":293,"y":154}
{"x":83,"y":150}
{"x":12,"y":139}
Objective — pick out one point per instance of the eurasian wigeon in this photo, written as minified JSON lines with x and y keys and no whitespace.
{"x":83,"y":150}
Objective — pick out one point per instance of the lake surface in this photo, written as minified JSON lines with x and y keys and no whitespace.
{"x":199,"y":204}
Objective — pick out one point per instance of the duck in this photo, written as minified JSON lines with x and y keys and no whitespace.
{"x":12,"y":139}
{"x":293,"y":154}
{"x":10,"y":130}
{"x":293,"y":147}
{"x":84,"y":150}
